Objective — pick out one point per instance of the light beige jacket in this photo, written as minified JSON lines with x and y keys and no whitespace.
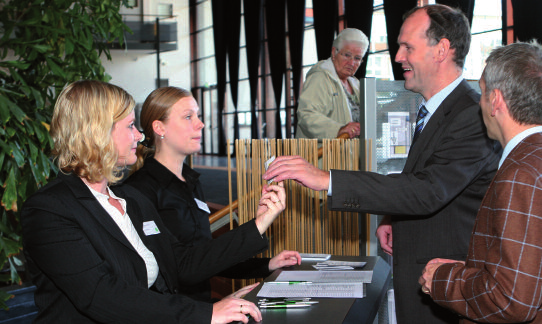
{"x":323,"y":106}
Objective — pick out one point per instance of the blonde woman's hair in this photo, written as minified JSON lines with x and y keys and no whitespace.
{"x":157,"y":106}
{"x":81,"y":127}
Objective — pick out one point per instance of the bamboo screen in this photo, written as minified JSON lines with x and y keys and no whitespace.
{"x":306,"y":225}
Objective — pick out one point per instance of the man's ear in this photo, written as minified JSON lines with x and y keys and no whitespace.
{"x":443,"y":49}
{"x":498,"y":105}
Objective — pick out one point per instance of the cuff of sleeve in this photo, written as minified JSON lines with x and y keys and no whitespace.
{"x":252,"y":223}
{"x":441,"y":281}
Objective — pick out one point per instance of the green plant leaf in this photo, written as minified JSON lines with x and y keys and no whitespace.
{"x":5,"y":148}
{"x":40,"y":103}
{"x":17,"y":153}
{"x":4,"y":297}
{"x":16,"y":64}
{"x":4,"y":109}
{"x":55,"y":68}
{"x":9,"y":198}
{"x":69,"y":46}
{"x":41,"y":48}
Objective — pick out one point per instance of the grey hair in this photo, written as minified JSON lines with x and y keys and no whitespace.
{"x":351,"y":35}
{"x":516,"y":70}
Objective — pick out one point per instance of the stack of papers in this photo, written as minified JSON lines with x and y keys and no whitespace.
{"x":329,"y":290}
{"x":338,"y":265}
{"x":314,"y":256}
{"x":332,"y":284}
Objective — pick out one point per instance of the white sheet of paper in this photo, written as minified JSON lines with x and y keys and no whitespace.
{"x":313,"y":290}
{"x":349,"y":277}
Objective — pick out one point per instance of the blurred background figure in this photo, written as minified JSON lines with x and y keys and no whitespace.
{"x":329,"y":101}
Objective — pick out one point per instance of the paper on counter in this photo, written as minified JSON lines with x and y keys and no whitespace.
{"x":338,"y":265}
{"x":348,"y":277}
{"x":323,"y":290}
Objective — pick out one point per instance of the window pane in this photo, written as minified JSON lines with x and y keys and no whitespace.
{"x":379,"y":63}
{"x":243,"y":65}
{"x":207,"y":72}
{"x":244,"y":96}
{"x":310,"y":56}
{"x":480,"y":48}
{"x":204,"y":16}
{"x":487,"y":16}
{"x":205,"y":41}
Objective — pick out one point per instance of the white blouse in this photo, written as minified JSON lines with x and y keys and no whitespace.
{"x":125,"y":224}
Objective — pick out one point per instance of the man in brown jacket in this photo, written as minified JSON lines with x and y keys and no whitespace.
{"x":501,"y":280}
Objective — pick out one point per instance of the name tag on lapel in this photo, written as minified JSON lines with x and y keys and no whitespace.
{"x":203,"y":206}
{"x":150,"y":228}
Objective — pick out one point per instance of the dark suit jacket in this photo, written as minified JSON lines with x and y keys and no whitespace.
{"x":502,"y":282}
{"x":86,"y":271}
{"x":434,"y":201}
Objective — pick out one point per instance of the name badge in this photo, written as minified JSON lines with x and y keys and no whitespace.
{"x":150,"y":228}
{"x":202,"y":205}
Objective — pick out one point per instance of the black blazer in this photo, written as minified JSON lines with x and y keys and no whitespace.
{"x":434,"y":201}
{"x":86,"y":271}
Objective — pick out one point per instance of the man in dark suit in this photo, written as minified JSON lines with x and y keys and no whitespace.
{"x":501,"y":281}
{"x":431,"y":205}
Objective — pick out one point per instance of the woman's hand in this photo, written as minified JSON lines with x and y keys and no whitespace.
{"x":284,"y":259}
{"x":272,"y":203}
{"x":352,"y":129}
{"x":233,"y":308}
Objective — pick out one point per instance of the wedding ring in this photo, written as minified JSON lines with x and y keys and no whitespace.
{"x":425,"y":290}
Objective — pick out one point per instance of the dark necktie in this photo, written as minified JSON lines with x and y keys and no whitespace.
{"x":422,"y":112}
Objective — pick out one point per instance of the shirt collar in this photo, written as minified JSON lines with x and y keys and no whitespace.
{"x":516,"y":140}
{"x":164,"y":176}
{"x":434,"y":102}
{"x":103,"y":197}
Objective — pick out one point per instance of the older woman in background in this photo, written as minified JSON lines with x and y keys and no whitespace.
{"x":329,"y":102}
{"x":169,"y":119}
{"x":103,"y":255}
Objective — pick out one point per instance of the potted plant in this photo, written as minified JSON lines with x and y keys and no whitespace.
{"x":44,"y":45}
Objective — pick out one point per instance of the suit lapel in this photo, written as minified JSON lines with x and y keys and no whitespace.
{"x":433,"y":127}
{"x":85,"y":197}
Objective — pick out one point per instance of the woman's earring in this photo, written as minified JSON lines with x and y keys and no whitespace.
{"x":161,"y":137}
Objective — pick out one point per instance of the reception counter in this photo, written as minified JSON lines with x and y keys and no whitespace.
{"x":334,"y":310}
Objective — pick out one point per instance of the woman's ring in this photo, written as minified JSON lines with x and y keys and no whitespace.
{"x":425,"y":290}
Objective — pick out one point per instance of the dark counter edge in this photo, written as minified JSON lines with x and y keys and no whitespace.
{"x":376,"y":291}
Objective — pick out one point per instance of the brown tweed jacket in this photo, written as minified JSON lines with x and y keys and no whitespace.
{"x":502,"y":279}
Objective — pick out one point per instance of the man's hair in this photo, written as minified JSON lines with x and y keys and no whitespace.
{"x":352,"y":36}
{"x":449,"y":23}
{"x":516,"y":70}
{"x":157,"y":106}
{"x":81,"y":126}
